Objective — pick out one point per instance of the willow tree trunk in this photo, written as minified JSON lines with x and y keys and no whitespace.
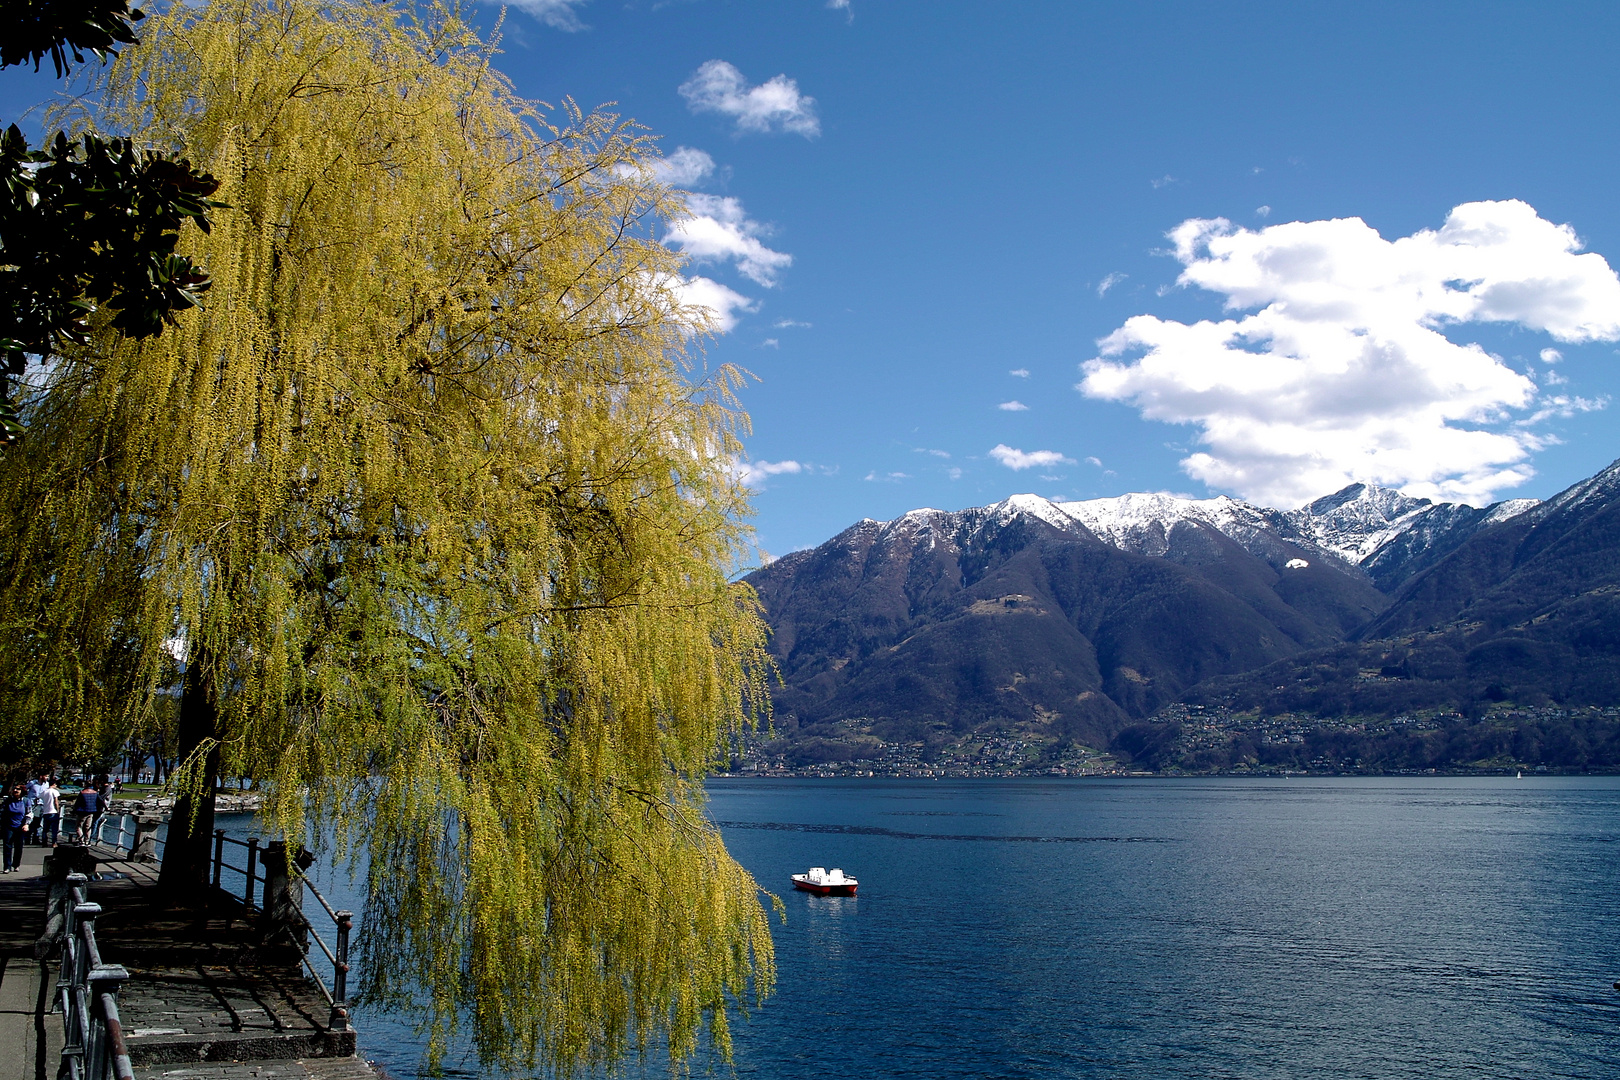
{"x":187,"y":853}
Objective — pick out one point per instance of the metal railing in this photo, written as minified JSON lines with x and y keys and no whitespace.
{"x":251,"y":876}
{"x":343,"y":922}
{"x":253,"y":893}
{"x":119,"y":844}
{"x":302,"y":931}
{"x":87,"y":990}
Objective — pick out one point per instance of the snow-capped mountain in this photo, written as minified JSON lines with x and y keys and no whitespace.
{"x":1383,"y":530}
{"x":1141,"y":523}
{"x":1605,"y":485}
{"x":1073,"y":617}
{"x":1359,"y":519}
{"x":1388,"y":534}
{"x":1074,"y":620}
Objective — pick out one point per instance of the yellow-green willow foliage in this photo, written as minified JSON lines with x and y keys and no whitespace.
{"x":428,"y":494}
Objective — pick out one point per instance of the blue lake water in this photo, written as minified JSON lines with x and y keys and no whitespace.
{"x":1379,"y":928}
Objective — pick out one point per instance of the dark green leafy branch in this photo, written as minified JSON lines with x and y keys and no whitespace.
{"x":29,"y":29}
{"x":86,"y":224}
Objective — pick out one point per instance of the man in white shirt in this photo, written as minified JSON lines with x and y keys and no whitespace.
{"x":50,"y":813}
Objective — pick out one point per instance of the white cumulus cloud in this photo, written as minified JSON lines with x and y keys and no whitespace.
{"x":774,"y":105}
{"x":755,"y":473}
{"x":1013,"y":406}
{"x":684,"y":168}
{"x":1109,"y":282}
{"x":1018,"y":459}
{"x":559,"y":14}
{"x":1345,"y":371}
{"x":718,"y":229}
{"x":1563,"y":405}
{"x":1551,"y":356}
{"x":1019,"y":372}
{"x":722,"y":305}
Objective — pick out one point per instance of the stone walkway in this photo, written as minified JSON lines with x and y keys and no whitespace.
{"x":30,"y":1035}
{"x":205,"y":999}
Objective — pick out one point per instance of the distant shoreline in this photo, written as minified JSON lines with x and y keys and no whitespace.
{"x":248,"y":802}
{"x":1292,"y":774}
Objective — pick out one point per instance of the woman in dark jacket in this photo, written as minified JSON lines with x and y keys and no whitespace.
{"x":12,"y":816}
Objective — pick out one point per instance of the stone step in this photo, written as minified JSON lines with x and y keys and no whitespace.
{"x":349,"y":1068}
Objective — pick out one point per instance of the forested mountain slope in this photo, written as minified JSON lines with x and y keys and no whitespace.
{"x":1072,"y":620}
{"x":937,"y":624}
{"x":1526,"y":610}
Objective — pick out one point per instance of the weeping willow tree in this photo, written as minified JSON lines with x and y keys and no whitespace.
{"x":430,"y":507}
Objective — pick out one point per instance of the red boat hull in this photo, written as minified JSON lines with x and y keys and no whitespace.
{"x":824,"y":890}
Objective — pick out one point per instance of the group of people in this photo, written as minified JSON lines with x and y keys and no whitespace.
{"x":32,"y":813}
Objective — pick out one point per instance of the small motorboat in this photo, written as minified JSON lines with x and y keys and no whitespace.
{"x":824,"y":882}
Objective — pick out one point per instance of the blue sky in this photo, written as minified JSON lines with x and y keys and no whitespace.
{"x":978,"y":189}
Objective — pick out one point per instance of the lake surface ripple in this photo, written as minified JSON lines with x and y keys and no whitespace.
{"x":1378,"y":928}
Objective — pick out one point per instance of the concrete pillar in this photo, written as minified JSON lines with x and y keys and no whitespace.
{"x":144,"y":847}
{"x":284,"y":895}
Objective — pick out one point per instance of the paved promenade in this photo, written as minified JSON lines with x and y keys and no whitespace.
{"x":204,"y":1001}
{"x":30,"y":1040}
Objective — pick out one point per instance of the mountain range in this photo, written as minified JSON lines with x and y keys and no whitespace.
{"x":1070,"y":621}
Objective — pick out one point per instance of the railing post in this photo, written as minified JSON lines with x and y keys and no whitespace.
{"x":83,"y":929}
{"x":253,"y":865}
{"x":219,"y":853}
{"x":340,"y":973}
{"x":106,"y":1041}
{"x":253,"y":870}
{"x":71,"y":984}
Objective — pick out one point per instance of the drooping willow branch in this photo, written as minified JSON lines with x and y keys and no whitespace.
{"x":428,"y":486}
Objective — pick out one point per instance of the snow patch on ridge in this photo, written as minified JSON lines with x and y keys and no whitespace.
{"x":1033,"y":505}
{"x":1141,"y":521}
{"x":1351,"y":525}
{"x":1603,"y":483}
{"x":1510,"y":508}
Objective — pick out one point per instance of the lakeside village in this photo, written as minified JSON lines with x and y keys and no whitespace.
{"x":1200,"y":740}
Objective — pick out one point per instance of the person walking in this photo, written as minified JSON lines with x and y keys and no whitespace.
{"x":86,"y":809}
{"x":50,"y":813}
{"x":14,"y":826}
{"x":35,"y":786}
